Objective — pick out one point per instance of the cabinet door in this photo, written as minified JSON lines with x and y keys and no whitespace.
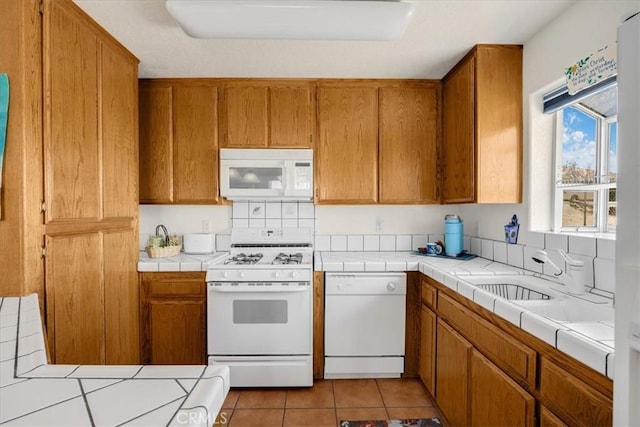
{"x":71,"y":162}
{"x":458,"y":129}
{"x":156,"y":142}
{"x":499,"y":124}
{"x":548,"y":419}
{"x":292,"y":116}
{"x":427,"y":365}
{"x":495,"y":398}
{"x":347,"y":153}
{"x":173,"y":318}
{"x":452,"y":374}
{"x":195,"y":144}
{"x":75,"y":298}
{"x":176,"y":331}
{"x":244,"y":117}
{"x":409,"y":122}
{"x":119,"y":113}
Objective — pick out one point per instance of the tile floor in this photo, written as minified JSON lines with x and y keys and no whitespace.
{"x":327,"y":403}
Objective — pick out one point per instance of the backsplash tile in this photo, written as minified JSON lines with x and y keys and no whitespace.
{"x":306,"y":222}
{"x":487,"y":249}
{"x":240,"y":210}
{"x":338,"y":242}
{"x":273,"y":210}
{"x":604,"y":273}
{"x":500,"y":252}
{"x":372,"y":242}
{"x":556,"y":241}
{"x":256,"y":214}
{"x":515,"y":255}
{"x":388,"y":242}
{"x":322,"y":242}
{"x":403,"y":242}
{"x":257,"y":222}
{"x":289,"y":210}
{"x":289,"y":223}
{"x":256,"y":210}
{"x":582,"y":245}
{"x":306,"y":210}
{"x":355,"y":242}
{"x":535,"y":239}
{"x":606,"y":248}
{"x":529,"y":263}
{"x":435,"y":237}
{"x":419,"y":241}
{"x":476,"y":245}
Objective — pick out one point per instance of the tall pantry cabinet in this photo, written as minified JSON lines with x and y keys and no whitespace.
{"x":90,"y":190}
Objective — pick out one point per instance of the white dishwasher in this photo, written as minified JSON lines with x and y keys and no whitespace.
{"x":364,"y":325}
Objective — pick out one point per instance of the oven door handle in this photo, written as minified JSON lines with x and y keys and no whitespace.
{"x":236,"y":290}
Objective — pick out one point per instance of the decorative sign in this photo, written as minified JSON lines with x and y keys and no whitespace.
{"x":4,"y":111}
{"x":592,"y":69}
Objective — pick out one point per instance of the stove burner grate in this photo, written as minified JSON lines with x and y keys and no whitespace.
{"x":244,"y":259}
{"x":283,"y":258}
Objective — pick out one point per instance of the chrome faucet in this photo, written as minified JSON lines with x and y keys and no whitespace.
{"x":572,"y":276}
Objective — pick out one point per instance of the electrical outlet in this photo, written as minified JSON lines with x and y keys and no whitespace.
{"x":206,"y":226}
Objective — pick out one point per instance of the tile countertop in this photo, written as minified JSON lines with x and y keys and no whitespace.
{"x":182,"y":262}
{"x":33,"y":392}
{"x":590,"y":342}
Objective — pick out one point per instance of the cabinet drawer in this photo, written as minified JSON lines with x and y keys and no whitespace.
{"x":176,"y":288}
{"x":505,"y":351}
{"x":428,"y":293}
{"x":573,"y":400}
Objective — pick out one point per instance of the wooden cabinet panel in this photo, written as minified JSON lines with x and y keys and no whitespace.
{"x":156,"y":144}
{"x":346,"y":156}
{"x":571,"y":399}
{"x":318,"y":324}
{"x":75,"y":298}
{"x":245,"y":115}
{"x":121,"y":303}
{"x":452,"y":374}
{"x":495,"y":398}
{"x":499,"y":124}
{"x":427,"y":365}
{"x":548,"y":419}
{"x":458,"y":127}
{"x":195,"y":144}
{"x":176,"y":332}
{"x":119,"y":136}
{"x":428,"y":293}
{"x":504,"y":350}
{"x":409,"y":121}
{"x":173,"y":318}
{"x":292,"y":116}
{"x":482,"y":127}
{"x":72,"y":182}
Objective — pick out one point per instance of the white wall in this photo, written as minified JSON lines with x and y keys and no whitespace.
{"x":580,"y":30}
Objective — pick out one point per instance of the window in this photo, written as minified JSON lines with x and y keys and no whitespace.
{"x":586,"y":163}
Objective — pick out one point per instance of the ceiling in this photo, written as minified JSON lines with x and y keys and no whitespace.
{"x":440,"y":33}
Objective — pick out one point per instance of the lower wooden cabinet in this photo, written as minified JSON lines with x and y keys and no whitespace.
{"x":427,"y":361}
{"x":173,"y":318}
{"x":453,"y":354}
{"x":495,"y":399}
{"x":548,"y":419}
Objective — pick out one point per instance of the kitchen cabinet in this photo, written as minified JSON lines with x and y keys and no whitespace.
{"x":482,"y":359}
{"x":378,"y":142}
{"x":178,"y":142}
{"x":261,"y":114}
{"x":90,"y":157}
{"x":346,"y":156}
{"x":408,"y":159}
{"x":452,"y":374}
{"x":427,"y":364}
{"x":482,"y":127}
{"x":495,"y":399}
{"x":173,"y":318}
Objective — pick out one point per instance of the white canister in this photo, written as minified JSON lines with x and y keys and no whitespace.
{"x":199,"y":243}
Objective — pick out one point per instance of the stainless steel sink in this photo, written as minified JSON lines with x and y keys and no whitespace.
{"x":512,"y":291}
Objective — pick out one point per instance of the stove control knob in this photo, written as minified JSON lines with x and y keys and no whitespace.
{"x":224,"y":274}
{"x":293,"y":274}
{"x":391,"y":286}
{"x":241,"y":274}
{"x":276,"y":274}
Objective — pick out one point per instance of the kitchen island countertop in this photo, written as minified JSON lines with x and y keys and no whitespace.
{"x":33,"y":392}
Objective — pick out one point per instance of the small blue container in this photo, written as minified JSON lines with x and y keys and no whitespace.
{"x":453,"y":235}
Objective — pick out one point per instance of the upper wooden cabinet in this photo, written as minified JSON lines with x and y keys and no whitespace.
{"x":261,"y":114}
{"x":378,"y":142}
{"x":346,"y":157}
{"x":178,"y":142}
{"x":409,"y":126}
{"x":482,"y":127}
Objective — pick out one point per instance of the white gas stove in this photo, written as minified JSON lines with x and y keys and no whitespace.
{"x":260,"y":310}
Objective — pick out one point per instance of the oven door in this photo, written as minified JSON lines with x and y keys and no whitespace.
{"x":249,"y":319}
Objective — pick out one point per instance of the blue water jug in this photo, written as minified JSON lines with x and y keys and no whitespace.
{"x":453,"y":232}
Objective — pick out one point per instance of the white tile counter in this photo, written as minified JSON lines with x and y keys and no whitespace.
{"x":590,"y":342}
{"x":34,"y":393}
{"x":182,"y":262}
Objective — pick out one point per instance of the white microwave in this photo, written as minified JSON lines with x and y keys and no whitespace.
{"x":266,"y":174}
